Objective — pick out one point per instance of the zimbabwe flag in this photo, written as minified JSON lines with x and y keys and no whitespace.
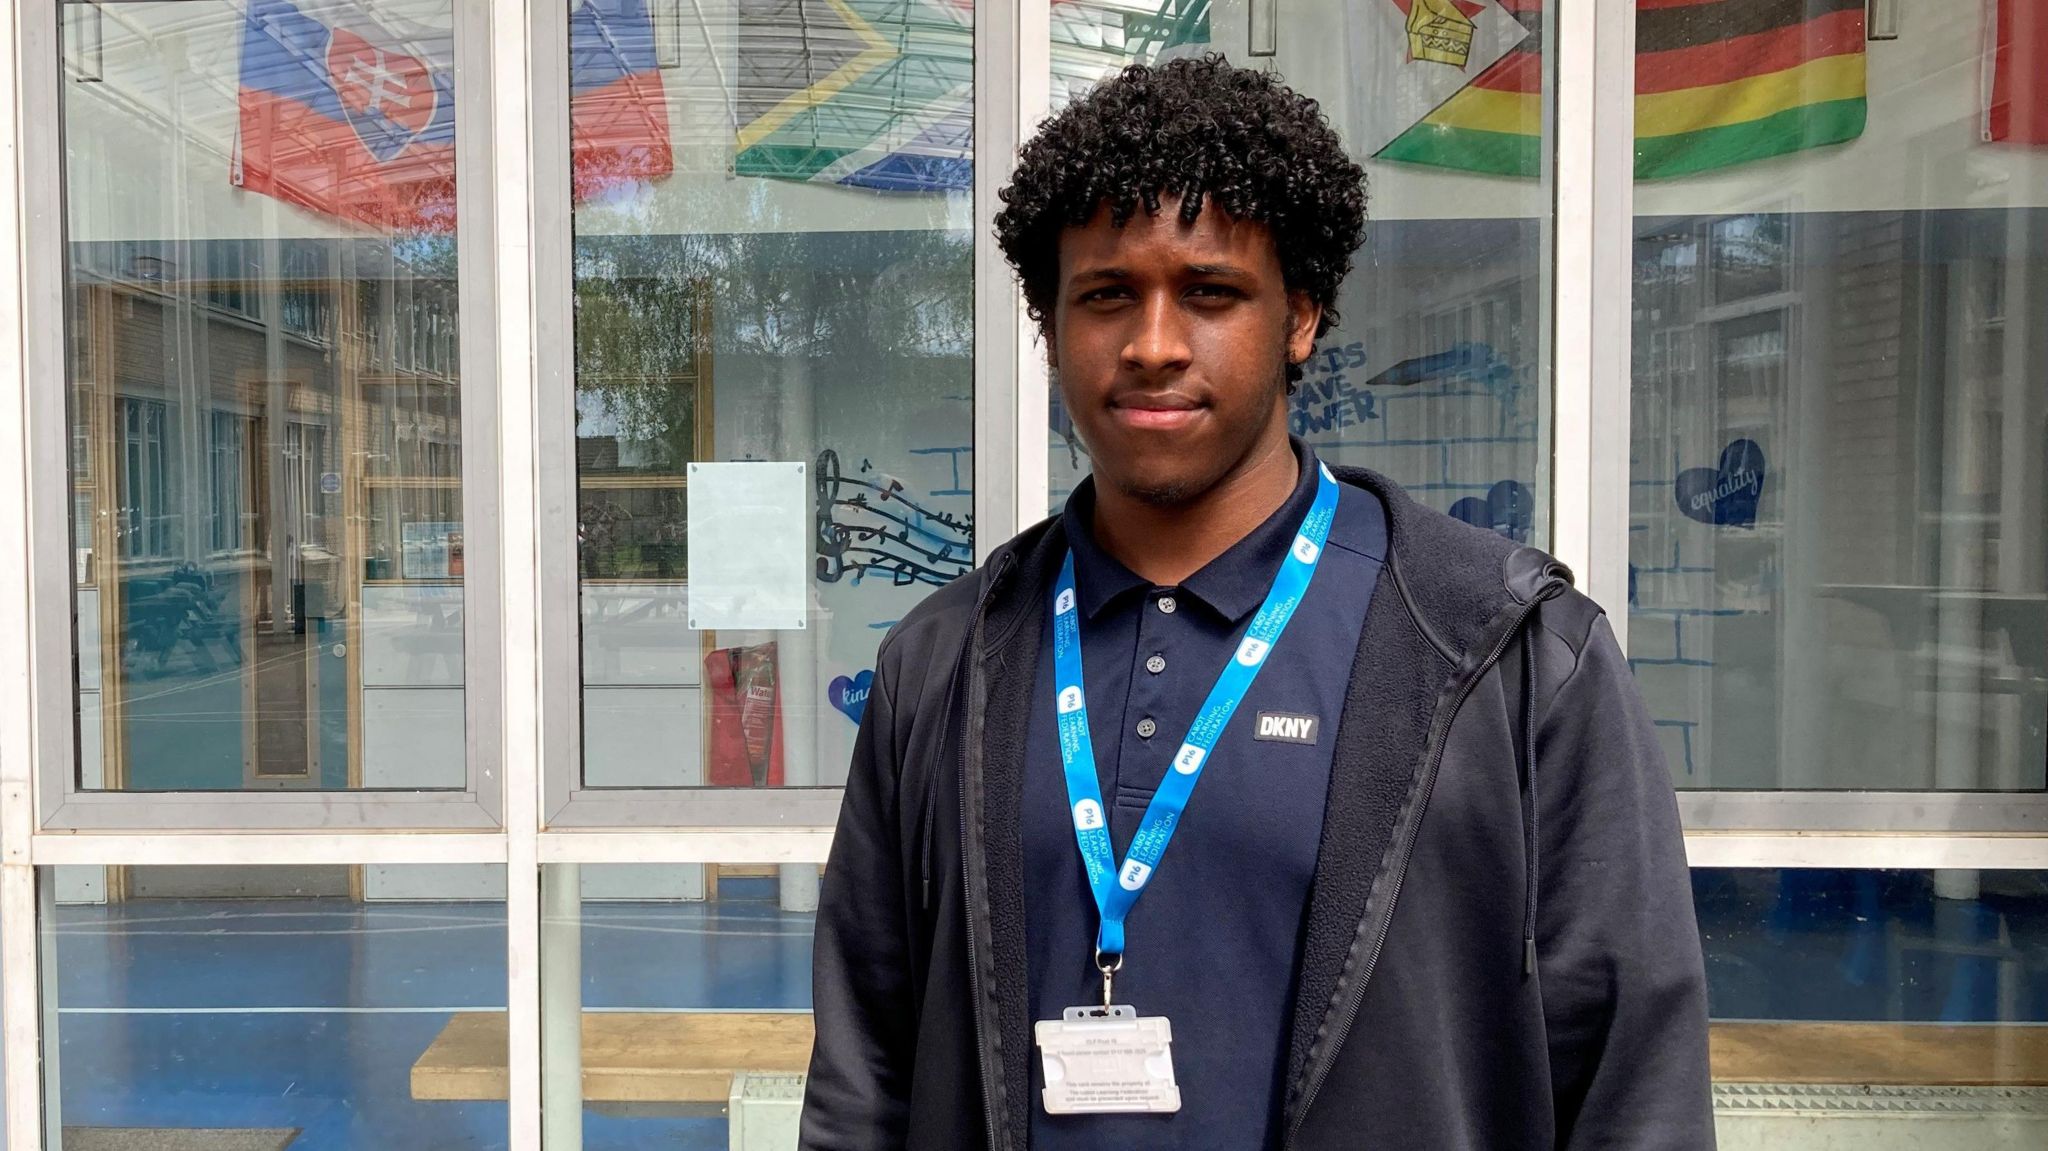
{"x":1722,"y":82}
{"x":1493,"y":124}
{"x":1718,"y":83}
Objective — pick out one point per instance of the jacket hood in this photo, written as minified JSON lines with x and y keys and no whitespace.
{"x":1473,"y":574}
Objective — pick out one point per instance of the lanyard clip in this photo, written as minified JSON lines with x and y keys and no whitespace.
{"x":1109,"y":969}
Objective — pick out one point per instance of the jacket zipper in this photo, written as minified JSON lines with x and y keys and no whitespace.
{"x":1436,"y":755}
{"x":969,"y":667}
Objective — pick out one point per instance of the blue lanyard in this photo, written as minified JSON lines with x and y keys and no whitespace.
{"x":1114,"y":898}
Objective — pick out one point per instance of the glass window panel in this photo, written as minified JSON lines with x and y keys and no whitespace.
{"x":259,"y":205}
{"x":773,"y":264}
{"x":1838,"y":546}
{"x":1912,"y":1003}
{"x":676,"y":1007}
{"x":1438,"y":373}
{"x":315,"y":1008}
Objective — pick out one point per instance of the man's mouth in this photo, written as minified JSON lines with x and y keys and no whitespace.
{"x":1156,"y":412}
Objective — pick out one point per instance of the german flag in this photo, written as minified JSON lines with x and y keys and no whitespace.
{"x":1718,"y":83}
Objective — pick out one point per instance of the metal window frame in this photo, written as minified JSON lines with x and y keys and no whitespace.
{"x":1591,"y":269}
{"x":61,"y":803}
{"x":515,"y":331}
{"x":1865,"y":851}
{"x":1869,"y":812}
{"x":20,"y":715}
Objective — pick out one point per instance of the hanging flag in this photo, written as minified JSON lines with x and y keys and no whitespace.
{"x":867,"y":93}
{"x":342,"y":117}
{"x":1451,"y":83}
{"x":2016,"y":98}
{"x":1718,"y":83}
{"x":1722,"y":82}
{"x":618,"y":113}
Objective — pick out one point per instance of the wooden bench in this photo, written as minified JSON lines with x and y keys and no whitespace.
{"x":690,"y":1058}
{"x":684,"y":1058}
{"x":1881,"y":1054}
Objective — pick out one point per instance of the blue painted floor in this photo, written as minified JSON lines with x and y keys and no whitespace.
{"x":223,"y":1013}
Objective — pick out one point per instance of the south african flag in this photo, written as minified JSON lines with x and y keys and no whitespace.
{"x":1718,"y":82}
{"x":868,"y":93}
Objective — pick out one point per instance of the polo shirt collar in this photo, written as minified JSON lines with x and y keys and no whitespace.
{"x":1233,"y":584}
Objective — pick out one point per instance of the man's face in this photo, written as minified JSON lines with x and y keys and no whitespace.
{"x":1171,"y":341}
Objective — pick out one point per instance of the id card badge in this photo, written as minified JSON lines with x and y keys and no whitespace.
{"x":1107,"y":1061}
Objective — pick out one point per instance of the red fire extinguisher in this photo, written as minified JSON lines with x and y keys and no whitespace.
{"x":746,"y":717}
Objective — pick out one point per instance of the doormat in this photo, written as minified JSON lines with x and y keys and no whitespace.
{"x":177,"y":1139}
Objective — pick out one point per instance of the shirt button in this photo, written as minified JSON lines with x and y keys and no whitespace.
{"x":1167,"y":605}
{"x":1156,"y":664}
{"x":1146,"y":729}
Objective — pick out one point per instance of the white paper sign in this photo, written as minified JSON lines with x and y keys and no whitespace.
{"x":750,"y":560}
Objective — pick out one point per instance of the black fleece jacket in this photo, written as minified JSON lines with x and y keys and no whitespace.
{"x":1500,"y":950}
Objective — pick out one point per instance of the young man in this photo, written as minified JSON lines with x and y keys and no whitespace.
{"x":1430,"y":891}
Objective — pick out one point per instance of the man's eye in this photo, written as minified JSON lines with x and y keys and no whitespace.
{"x":1101,"y":294}
{"x":1215,"y":291}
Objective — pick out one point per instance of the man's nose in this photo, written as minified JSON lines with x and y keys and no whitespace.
{"x":1158,"y":340}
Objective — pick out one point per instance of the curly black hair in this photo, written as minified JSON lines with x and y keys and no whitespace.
{"x":1201,"y":129}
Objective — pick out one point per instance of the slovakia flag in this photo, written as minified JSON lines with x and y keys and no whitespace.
{"x":342,"y":117}
{"x":338,"y":118}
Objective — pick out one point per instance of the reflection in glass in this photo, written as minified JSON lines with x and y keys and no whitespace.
{"x":1436,"y":372}
{"x":1839,"y":460}
{"x":268,"y":1007}
{"x":1904,"y":946}
{"x":675,"y":1004}
{"x":773,"y":262}
{"x":1909,"y":1003}
{"x":639,"y":376}
{"x":1749,"y":255}
{"x":265,"y":408}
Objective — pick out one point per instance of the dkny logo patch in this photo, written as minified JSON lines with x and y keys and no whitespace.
{"x":1282,"y":727}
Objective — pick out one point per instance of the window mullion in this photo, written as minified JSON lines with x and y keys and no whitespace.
{"x":513,"y":58}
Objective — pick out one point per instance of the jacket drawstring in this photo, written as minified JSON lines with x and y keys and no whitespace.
{"x":1529,"y":802}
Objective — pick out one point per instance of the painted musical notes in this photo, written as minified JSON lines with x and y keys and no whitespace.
{"x":870,"y":527}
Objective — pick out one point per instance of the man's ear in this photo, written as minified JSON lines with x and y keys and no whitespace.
{"x":1304,"y":316}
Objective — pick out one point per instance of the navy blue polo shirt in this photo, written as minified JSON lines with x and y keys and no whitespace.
{"x":1214,"y":942}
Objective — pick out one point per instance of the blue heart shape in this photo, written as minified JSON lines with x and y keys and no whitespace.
{"x":1508,"y":509}
{"x":850,"y":696}
{"x":1728,"y":494}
